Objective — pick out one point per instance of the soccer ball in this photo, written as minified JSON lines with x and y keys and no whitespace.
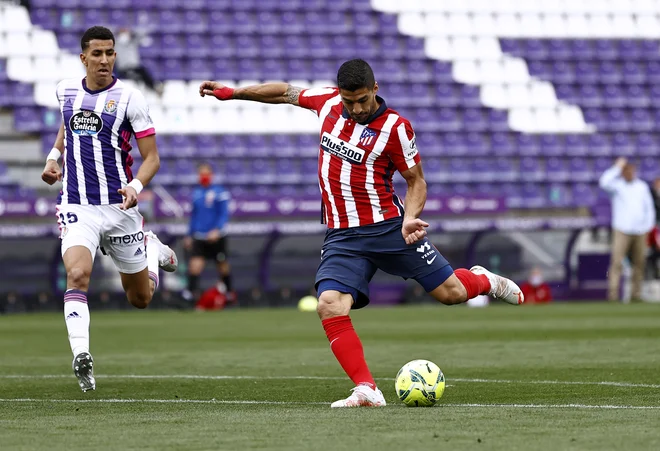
{"x":419,"y":383}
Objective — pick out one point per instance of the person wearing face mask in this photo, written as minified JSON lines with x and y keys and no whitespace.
{"x":207,"y":238}
{"x":633,"y":217}
{"x":535,"y":290}
{"x":130,"y":66}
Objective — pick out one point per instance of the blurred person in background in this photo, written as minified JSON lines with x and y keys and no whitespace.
{"x":536,"y":290}
{"x":633,"y":217}
{"x":130,"y":66}
{"x":654,"y":236}
{"x":207,"y":238}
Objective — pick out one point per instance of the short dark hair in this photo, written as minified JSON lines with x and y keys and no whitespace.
{"x":355,"y":74}
{"x":96,"y":32}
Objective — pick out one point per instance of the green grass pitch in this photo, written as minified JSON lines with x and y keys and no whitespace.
{"x":558,"y":377}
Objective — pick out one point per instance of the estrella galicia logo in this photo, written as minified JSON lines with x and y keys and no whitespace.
{"x":86,"y":122}
{"x":341,"y":149}
{"x":368,"y":136}
{"x":135,"y":238}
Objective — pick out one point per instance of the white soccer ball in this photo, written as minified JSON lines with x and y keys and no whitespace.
{"x":419,"y":383}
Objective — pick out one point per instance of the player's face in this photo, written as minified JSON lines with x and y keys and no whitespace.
{"x":99,"y":60}
{"x":360,"y":104}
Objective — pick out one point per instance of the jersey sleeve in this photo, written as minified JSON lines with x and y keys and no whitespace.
{"x":404,"y":152}
{"x":315,"y":98}
{"x":137,"y":113}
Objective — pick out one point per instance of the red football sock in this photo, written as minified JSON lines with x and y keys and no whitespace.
{"x":475,"y":284}
{"x":346,"y":346}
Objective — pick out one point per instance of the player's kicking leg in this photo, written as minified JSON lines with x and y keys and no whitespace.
{"x":139,"y":280}
{"x":464,"y":285}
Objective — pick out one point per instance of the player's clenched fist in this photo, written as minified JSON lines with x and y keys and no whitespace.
{"x":52,"y":172}
{"x":413,"y":230}
{"x":218,"y":90}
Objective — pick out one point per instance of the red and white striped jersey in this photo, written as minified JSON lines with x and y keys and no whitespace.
{"x":357,"y":161}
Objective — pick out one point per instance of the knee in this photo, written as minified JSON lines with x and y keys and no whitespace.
{"x":78,"y":278}
{"x":139,"y":299}
{"x":330,"y":305}
{"x":451,"y":295}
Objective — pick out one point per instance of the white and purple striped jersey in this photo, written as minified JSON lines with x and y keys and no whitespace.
{"x":98,"y":126}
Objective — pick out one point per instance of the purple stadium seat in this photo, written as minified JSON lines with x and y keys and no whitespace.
{"x":590,"y":96}
{"x":588,"y":72}
{"x":195,"y":21}
{"x":248,"y":5}
{"x":445,"y":94}
{"x":582,"y":49}
{"x":637,"y":96}
{"x":609,"y":72}
{"x":650,"y":50}
{"x":580,"y":169}
{"x":3,"y":70}
{"x":477,"y":144}
{"x":551,"y":145}
{"x":557,"y":169}
{"x":200,"y":46}
{"x":544,"y":71}
{"x":392,"y":46}
{"x":559,"y":49}
{"x":69,"y":41}
{"x":6,"y":95}
{"x":575,"y":145}
{"x":174,"y":43}
{"x":307,"y":145}
{"x":606,"y":50}
{"x":617,"y":120}
{"x":584,"y":195}
{"x":273,"y":69}
{"x":296,"y":46}
{"x":503,"y":144}
{"x":448,"y":144}
{"x":512,"y":46}
{"x":622,"y":145}
{"x":497,"y":120}
{"x":444,"y":119}
{"x":528,"y":145}
{"x":535,"y":49}
{"x":237,"y":171}
{"x":646,"y":144}
{"x":596,"y":117}
{"x":22,"y":94}
{"x":271,"y":46}
{"x":258,"y":146}
{"x":442,"y":72}
{"x":319,"y":46}
{"x":184,"y":145}
{"x":244,"y":21}
{"x":323,"y":69}
{"x":233,"y":145}
{"x":470,"y":96}
{"x":207,"y":146}
{"x":641,"y":120}
{"x":418,"y":72}
{"x":559,"y":195}
{"x":298,"y":69}
{"x":309,"y":169}
{"x":198,"y":68}
{"x":629,"y":49}
{"x":649,"y":168}
{"x":28,"y":119}
{"x":45,"y":18}
{"x":197,"y":5}
{"x":569,"y":93}
{"x":598,"y":145}
{"x":531,"y":170}
{"x":474,"y":119}
{"x":249,"y":69}
{"x":633,"y":72}
{"x":292,"y":23}
{"x":420,"y":95}
{"x":652,"y":72}
{"x":283,"y":145}
{"x":459,"y":170}
{"x":414,"y":48}
{"x":531,"y":196}
{"x":613,"y":96}
{"x":173,"y":69}
{"x":562,"y":72}
{"x":363,"y":23}
{"x":287,"y":171}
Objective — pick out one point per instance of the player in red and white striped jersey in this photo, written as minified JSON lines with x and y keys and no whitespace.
{"x":362,"y":143}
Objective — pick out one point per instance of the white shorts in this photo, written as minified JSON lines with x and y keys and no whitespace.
{"x":117,"y":232}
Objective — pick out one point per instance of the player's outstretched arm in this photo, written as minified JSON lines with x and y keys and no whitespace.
{"x":52,"y":172}
{"x":148,"y":169}
{"x":264,"y":93}
{"x":414,"y":229}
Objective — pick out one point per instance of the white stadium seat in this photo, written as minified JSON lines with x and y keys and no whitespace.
{"x":3,"y":45}
{"x":43,"y":43}
{"x":45,"y":68}
{"x":20,"y":68}
{"x":175,"y":91}
{"x":543,"y":94}
{"x":70,"y":66}
{"x":519,"y":96}
{"x":577,"y":25}
{"x":467,"y":72}
{"x":494,"y":96}
{"x":17,"y":44}
{"x":648,"y":26}
{"x":522,"y":120}
{"x":546,"y":120}
{"x":553,"y":25}
{"x":412,"y":24}
{"x":484,"y":24}
{"x":439,"y":48}
{"x":14,"y":18}
{"x":508,"y":25}
{"x":44,"y":94}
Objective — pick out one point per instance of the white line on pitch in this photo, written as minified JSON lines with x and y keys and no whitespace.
{"x":222,"y":377}
{"x":290,"y":403}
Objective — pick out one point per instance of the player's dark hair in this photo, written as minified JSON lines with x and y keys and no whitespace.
{"x":96,"y":32}
{"x":355,"y":74}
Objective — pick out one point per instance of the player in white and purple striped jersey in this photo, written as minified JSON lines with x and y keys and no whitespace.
{"x":98,"y":203}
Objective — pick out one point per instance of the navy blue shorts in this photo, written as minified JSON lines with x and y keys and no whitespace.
{"x":350,"y":258}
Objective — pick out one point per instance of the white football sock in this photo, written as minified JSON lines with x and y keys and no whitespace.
{"x":76,"y":316}
{"x":153,"y":251}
